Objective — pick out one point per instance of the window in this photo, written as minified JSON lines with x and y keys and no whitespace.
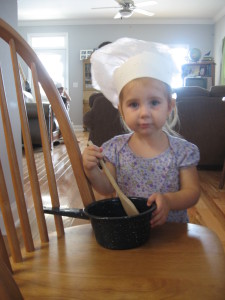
{"x":180,"y":54}
{"x":52,"y":49}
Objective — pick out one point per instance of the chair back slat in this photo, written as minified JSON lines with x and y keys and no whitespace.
{"x":15,"y":172}
{"x":4,"y":254}
{"x":36,"y":192}
{"x":13,"y":241}
{"x":35,"y":188}
{"x":69,"y":137}
{"x":29,"y":56}
{"x":47,"y":154}
{"x":9,"y":289}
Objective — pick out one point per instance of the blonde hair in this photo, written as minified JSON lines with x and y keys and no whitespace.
{"x":172,"y":120}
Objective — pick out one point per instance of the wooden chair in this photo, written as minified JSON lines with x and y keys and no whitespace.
{"x":18,"y":47}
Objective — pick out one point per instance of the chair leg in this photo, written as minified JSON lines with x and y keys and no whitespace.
{"x":222,"y":179}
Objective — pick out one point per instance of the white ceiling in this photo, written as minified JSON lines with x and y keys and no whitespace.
{"x":80,"y":11}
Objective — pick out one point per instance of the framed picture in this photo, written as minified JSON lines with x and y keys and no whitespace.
{"x":84,"y":54}
{"x":89,"y":52}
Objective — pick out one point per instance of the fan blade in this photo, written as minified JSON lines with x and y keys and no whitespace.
{"x":144,"y":12}
{"x":118,"y":7}
{"x":117,"y":16}
{"x":145,"y":3}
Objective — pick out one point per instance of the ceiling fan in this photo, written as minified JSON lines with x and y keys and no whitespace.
{"x":127,"y":7}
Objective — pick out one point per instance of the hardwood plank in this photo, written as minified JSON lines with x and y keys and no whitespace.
{"x":209,"y":211}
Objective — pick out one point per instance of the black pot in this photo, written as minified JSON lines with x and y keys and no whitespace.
{"x":112,"y":227}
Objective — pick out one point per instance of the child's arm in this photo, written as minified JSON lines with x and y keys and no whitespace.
{"x":65,"y":94}
{"x":186,"y":197}
{"x":97,"y":177}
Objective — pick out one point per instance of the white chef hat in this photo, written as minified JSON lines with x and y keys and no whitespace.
{"x":116,"y":64}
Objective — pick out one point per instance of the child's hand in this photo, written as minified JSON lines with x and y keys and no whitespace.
{"x":91,"y":156}
{"x":159,"y":216}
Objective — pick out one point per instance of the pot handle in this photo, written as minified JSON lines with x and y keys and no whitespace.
{"x":66,"y":212}
{"x":153,"y":207}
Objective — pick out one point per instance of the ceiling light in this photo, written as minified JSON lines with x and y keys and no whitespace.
{"x":125,"y":13}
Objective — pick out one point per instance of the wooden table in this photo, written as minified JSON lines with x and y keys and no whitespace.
{"x":178,"y":262}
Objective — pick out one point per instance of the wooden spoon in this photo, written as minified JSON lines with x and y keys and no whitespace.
{"x":127,"y":204}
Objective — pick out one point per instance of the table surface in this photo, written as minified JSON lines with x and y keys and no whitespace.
{"x":180,"y":261}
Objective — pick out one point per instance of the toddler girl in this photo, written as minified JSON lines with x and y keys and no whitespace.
{"x":149,"y":161}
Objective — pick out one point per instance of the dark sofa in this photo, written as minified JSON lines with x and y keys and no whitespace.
{"x":51,"y":123}
{"x":32,"y":115}
{"x":202,"y":121}
{"x":102,"y":120}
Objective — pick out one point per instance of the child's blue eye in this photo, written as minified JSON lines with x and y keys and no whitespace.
{"x":133,"y":104}
{"x":154,"y":102}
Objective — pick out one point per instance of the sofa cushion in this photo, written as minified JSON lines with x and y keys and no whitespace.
{"x":32,"y":115}
{"x":191,"y":91}
{"x":217,"y":91}
{"x":32,"y":110}
{"x":94,"y":96}
{"x":102,"y":120}
{"x":202,"y":123}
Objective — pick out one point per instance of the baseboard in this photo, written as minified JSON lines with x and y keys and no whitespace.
{"x":78,"y":128}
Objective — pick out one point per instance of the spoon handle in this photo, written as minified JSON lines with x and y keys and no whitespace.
{"x":127,"y":204}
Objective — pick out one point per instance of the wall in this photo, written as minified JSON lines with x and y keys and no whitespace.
{"x":219,"y":35}
{"x":8,"y":12}
{"x":90,"y":36}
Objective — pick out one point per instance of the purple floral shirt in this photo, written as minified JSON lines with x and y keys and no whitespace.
{"x":140,"y":177}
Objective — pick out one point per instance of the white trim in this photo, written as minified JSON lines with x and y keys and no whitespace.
{"x":48,"y":34}
{"x":66,"y":49}
{"x":78,"y":128}
{"x":115,"y":22}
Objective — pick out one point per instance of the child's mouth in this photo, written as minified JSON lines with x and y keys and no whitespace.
{"x":143,"y":126}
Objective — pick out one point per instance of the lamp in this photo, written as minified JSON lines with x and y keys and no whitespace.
{"x":125,"y":13}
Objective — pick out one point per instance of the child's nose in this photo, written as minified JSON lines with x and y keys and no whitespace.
{"x":145,"y":110}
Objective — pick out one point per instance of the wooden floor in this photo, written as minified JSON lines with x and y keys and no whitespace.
{"x":209,"y":211}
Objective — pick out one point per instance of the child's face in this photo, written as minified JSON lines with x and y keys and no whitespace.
{"x":60,"y":90}
{"x":145,"y":105}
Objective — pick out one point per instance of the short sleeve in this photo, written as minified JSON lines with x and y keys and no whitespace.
{"x":187,"y":154}
{"x":112,"y":148}
{"x":109,"y":151}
